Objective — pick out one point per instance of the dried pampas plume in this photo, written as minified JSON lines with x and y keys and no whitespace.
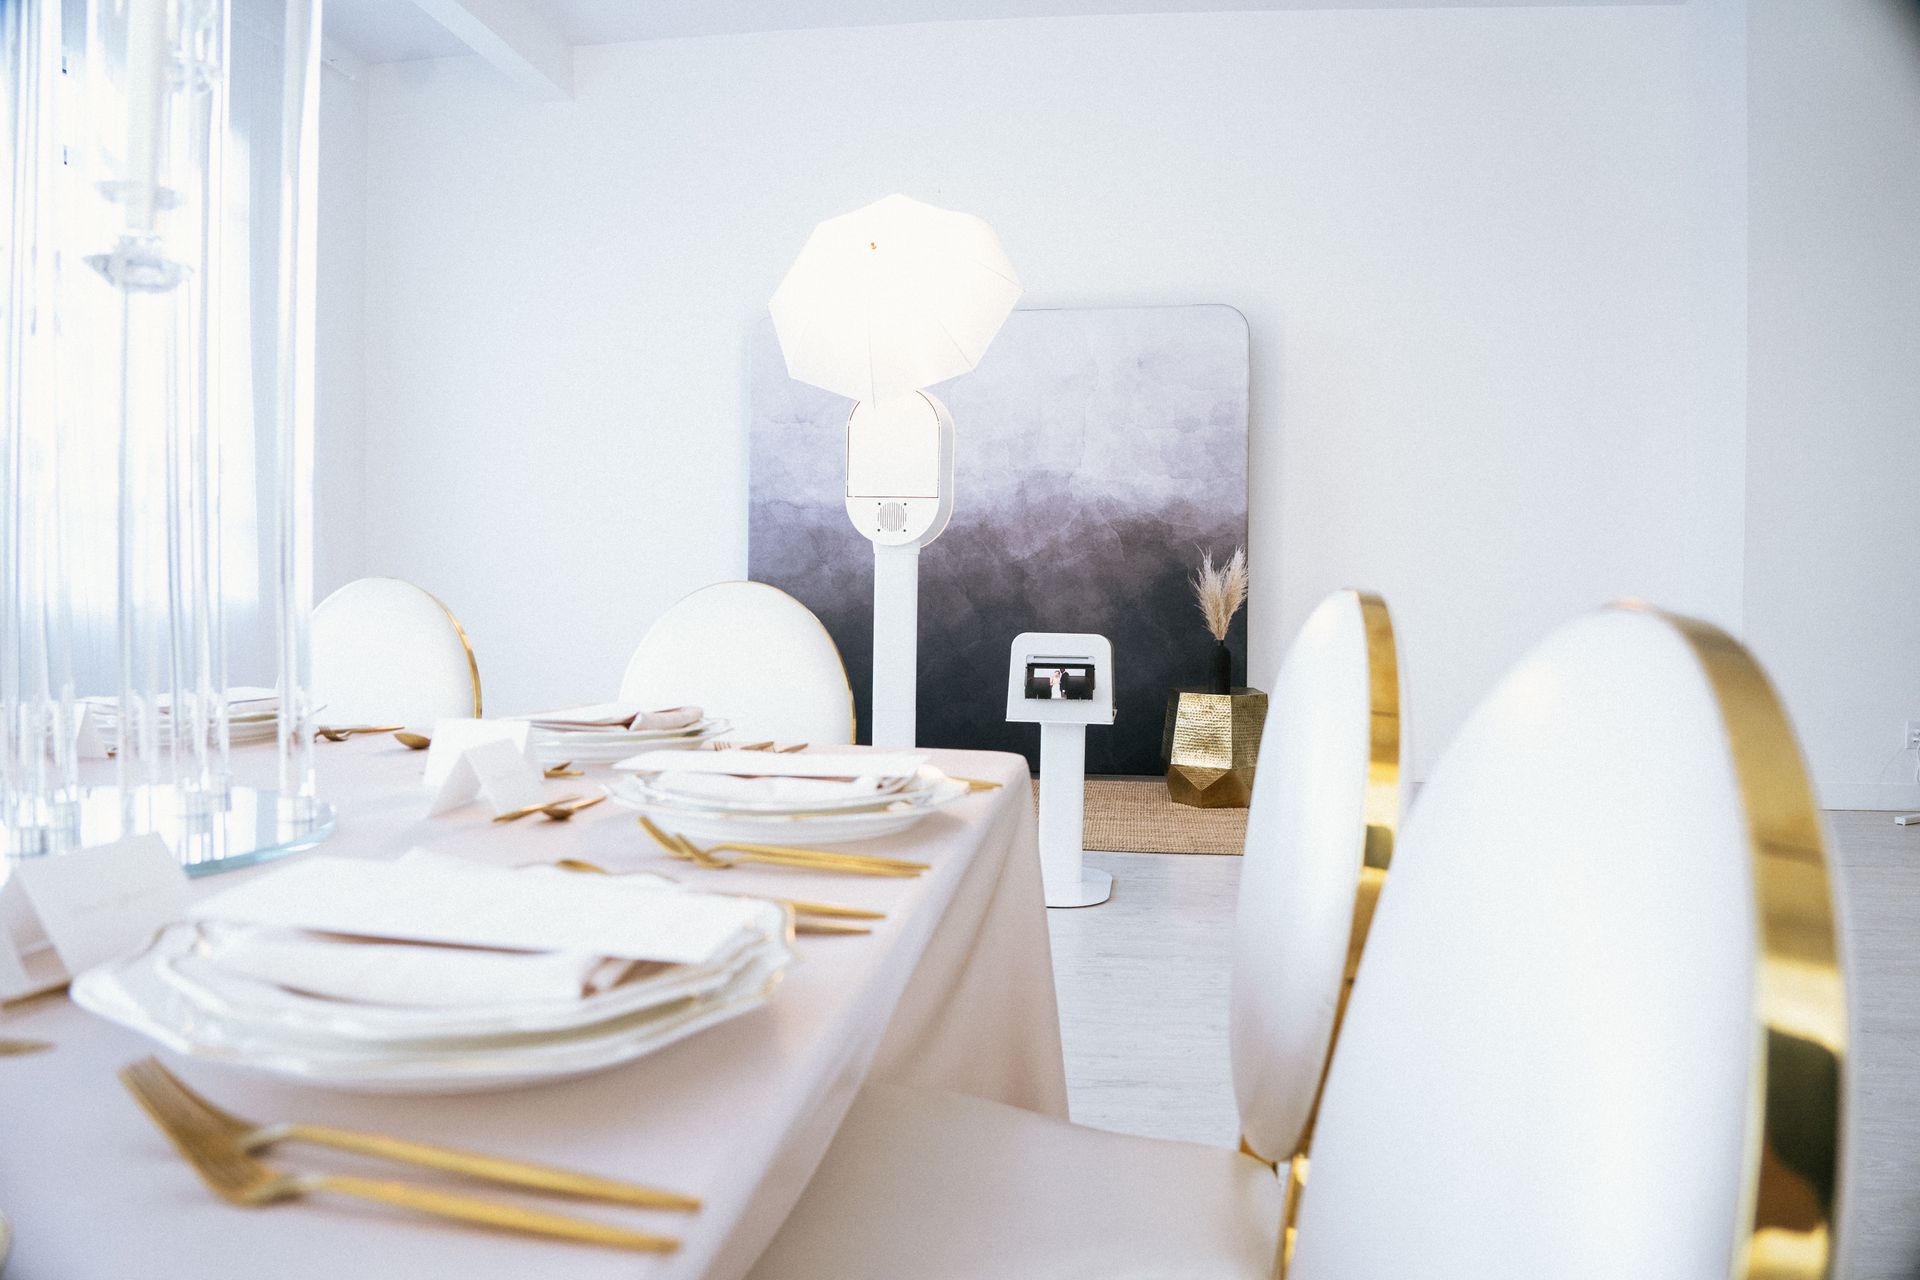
{"x":1220,"y":592}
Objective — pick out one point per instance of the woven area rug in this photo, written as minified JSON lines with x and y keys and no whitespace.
{"x":1134,"y":815}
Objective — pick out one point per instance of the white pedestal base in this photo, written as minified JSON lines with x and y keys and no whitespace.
{"x":1094,"y":888}
{"x":1063,"y":776}
{"x":896,"y":644}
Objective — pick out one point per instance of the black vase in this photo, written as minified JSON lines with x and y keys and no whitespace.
{"x":1220,"y":679}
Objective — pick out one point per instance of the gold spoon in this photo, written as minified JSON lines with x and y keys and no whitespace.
{"x":514,"y":815}
{"x":414,"y":741}
{"x":344,"y":732}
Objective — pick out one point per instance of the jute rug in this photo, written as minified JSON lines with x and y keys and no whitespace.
{"x":1134,"y":815}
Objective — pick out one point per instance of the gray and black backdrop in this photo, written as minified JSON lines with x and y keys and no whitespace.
{"x":1097,"y":452}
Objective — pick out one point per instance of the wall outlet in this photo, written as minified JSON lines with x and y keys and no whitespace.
{"x":1913,"y":735}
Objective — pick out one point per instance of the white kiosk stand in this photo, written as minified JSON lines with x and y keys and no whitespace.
{"x":900,"y":495}
{"x":1063,"y":682}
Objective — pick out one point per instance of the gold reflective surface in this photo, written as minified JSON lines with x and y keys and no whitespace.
{"x":1788,"y":1217}
{"x":1211,"y":744}
{"x":1381,"y":806}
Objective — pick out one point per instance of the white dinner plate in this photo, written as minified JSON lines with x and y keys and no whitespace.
{"x":594,"y":746}
{"x":661,"y":789}
{"x":262,"y":1005}
{"x":794,"y":829}
{"x":141,"y":994}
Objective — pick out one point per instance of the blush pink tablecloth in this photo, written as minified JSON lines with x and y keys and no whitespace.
{"x":954,"y":990}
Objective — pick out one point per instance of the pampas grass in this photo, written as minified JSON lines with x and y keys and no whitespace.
{"x":1220,"y":592}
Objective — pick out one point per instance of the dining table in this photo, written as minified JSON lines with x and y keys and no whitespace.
{"x":952,"y":990}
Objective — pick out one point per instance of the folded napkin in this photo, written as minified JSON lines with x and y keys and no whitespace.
{"x":397,"y":973}
{"x":774,"y":764}
{"x":617,"y":715}
{"x":427,"y":897}
{"x":725,"y":788}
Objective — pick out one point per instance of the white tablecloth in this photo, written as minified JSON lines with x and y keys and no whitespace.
{"x":953,"y":990}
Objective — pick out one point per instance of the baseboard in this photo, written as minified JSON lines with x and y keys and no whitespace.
{"x":1902,"y":796}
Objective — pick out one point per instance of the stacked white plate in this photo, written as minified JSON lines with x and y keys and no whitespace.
{"x":253,"y":714}
{"x":218,"y":988}
{"x":605,"y":732}
{"x":801,"y":799}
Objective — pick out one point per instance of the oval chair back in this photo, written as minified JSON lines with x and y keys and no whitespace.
{"x":1320,"y":833}
{"x":751,"y":654}
{"x":1600,"y":1027}
{"x":386,"y":652}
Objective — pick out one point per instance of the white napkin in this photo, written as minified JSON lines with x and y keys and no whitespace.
{"x":726,"y":788}
{"x":617,"y":715}
{"x":427,"y":897}
{"x":775,"y":764}
{"x":397,"y":973}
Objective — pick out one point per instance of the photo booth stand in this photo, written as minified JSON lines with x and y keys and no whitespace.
{"x":1063,"y":682}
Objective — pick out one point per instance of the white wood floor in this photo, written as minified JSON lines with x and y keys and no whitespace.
{"x":1143,"y":997}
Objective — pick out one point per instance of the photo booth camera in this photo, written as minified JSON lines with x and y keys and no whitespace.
{"x":900,"y":496}
{"x":1063,"y":681}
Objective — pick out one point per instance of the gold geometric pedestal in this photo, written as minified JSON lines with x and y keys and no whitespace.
{"x":1210,"y":745}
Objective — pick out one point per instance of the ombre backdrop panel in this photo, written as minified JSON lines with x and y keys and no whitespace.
{"x":1097,"y":452}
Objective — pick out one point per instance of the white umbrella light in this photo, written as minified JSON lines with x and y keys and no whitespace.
{"x":891,"y":298}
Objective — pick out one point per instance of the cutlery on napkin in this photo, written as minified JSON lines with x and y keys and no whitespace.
{"x":773,"y":764}
{"x":616,"y":715}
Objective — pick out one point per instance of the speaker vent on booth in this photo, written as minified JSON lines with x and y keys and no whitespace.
{"x":893,"y":517}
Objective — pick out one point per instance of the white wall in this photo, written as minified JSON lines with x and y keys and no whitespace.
{"x":1833,"y":477}
{"x":1483,"y":253}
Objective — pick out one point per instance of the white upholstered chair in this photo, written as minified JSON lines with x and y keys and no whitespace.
{"x":751,"y":654}
{"x":937,"y":1187}
{"x":1600,"y":1027}
{"x":386,"y":652}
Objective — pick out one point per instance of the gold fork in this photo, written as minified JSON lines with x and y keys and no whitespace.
{"x":240,"y":1179}
{"x":779,"y":856}
{"x":15,"y":1048}
{"x":251,"y":1137}
{"x":672,"y":841}
{"x":564,"y":769}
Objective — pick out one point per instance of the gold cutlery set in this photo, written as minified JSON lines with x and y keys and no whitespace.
{"x":220,"y":1147}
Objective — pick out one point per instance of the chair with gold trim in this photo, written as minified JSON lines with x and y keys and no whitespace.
{"x":387,"y":652}
{"x":1600,"y":1029}
{"x":751,"y":654}
{"x":938,"y":1186}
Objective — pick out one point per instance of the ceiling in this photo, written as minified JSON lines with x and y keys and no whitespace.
{"x":403,"y":30}
{"x":387,"y":31}
{"x":614,"y":21}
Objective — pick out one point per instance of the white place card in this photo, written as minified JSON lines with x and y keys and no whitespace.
{"x":85,"y":908}
{"x":89,"y":743}
{"x":451,"y":738}
{"x":497,"y":771}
